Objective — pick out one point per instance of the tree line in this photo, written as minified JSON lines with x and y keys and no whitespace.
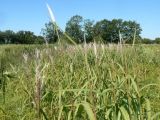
{"x":20,"y":37}
{"x":81,"y":30}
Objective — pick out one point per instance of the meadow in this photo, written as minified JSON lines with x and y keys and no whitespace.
{"x":80,"y":82}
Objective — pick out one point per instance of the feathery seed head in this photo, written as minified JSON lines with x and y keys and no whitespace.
{"x":50,"y":13}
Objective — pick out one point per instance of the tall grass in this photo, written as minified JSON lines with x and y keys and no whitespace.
{"x":98,"y":82}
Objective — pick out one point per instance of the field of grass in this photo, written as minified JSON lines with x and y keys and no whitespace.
{"x":95,"y":82}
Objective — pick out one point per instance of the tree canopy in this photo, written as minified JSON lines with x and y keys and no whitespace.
{"x":20,"y":37}
{"x":74,"y":28}
{"x":81,"y":30}
{"x":108,"y":30}
{"x":49,"y":32}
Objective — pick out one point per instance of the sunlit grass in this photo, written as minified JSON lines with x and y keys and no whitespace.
{"x":98,"y":82}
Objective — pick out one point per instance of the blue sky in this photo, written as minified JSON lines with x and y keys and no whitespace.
{"x":32,"y":14}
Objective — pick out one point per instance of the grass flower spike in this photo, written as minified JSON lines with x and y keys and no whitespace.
{"x":51,"y":13}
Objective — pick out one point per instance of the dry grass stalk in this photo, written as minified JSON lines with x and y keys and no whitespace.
{"x":134,"y":37}
{"x":95,"y":49}
{"x":37,"y":83}
{"x":53,"y":21}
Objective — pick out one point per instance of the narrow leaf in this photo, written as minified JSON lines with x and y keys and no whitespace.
{"x":148,"y":109}
{"x":89,"y":110}
{"x":124,"y":113}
